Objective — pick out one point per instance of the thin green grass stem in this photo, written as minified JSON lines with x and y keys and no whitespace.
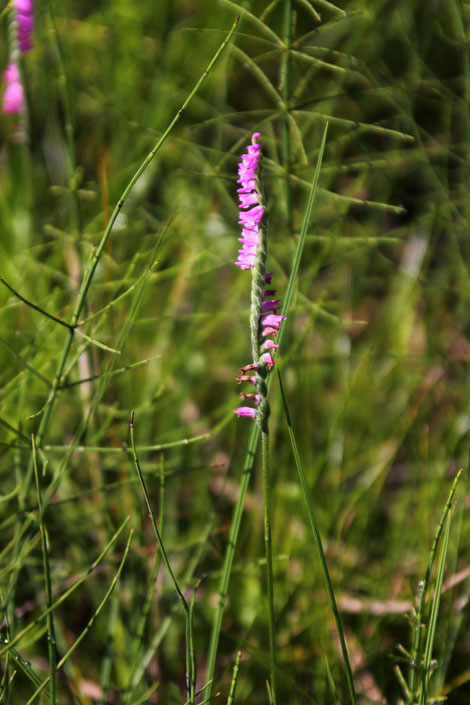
{"x":431,"y":631}
{"x":184,"y":604}
{"x":253,"y":441}
{"x":269,"y":562}
{"x":148,"y":598}
{"x":416,"y":650}
{"x":284,"y":88}
{"x":69,"y":130}
{"x":162,"y":630}
{"x":233,"y":685}
{"x":319,"y":544}
{"x":51,"y":640}
{"x":23,"y":665}
{"x":230,"y":552}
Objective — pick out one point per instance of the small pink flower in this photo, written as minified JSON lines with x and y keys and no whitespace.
{"x":270,"y":345}
{"x":266,"y":357}
{"x":245,"y":411}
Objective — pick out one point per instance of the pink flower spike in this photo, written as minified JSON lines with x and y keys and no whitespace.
{"x":270,"y":331}
{"x":25,"y":22}
{"x":245,"y":411}
{"x":251,"y":210}
{"x":266,"y":357}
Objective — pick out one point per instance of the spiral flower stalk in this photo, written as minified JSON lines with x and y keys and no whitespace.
{"x":19,"y":41}
{"x":264,"y":318}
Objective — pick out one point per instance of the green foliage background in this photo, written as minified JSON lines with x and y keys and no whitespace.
{"x":375,"y":356}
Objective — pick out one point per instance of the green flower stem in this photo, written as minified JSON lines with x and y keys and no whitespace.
{"x":269,"y":563}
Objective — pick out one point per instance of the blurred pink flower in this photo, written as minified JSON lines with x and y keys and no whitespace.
{"x":249,"y":197}
{"x":13,"y":97}
{"x":25,"y":21}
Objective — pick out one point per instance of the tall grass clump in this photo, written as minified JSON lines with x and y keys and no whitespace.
{"x":314,"y":550}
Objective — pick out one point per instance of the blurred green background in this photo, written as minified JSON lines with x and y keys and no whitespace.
{"x":375,"y":356}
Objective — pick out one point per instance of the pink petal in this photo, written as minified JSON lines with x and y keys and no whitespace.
{"x":248,"y":199}
{"x":270,"y":345}
{"x":272,"y":320}
{"x":245,"y":411}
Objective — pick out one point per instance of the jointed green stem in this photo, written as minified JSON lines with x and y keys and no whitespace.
{"x":233,"y":685}
{"x":285,"y":92}
{"x":139,"y":634}
{"x":189,"y":630}
{"x":51,"y":640}
{"x":418,"y":630}
{"x":269,"y":563}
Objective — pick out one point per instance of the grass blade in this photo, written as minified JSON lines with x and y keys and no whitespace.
{"x":318,"y":542}
{"x":431,"y":632}
{"x":51,"y":640}
{"x":418,"y":630}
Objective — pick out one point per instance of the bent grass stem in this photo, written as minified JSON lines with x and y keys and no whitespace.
{"x":189,"y":631}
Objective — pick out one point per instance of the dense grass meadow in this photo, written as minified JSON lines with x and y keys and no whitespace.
{"x":136,"y":558}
